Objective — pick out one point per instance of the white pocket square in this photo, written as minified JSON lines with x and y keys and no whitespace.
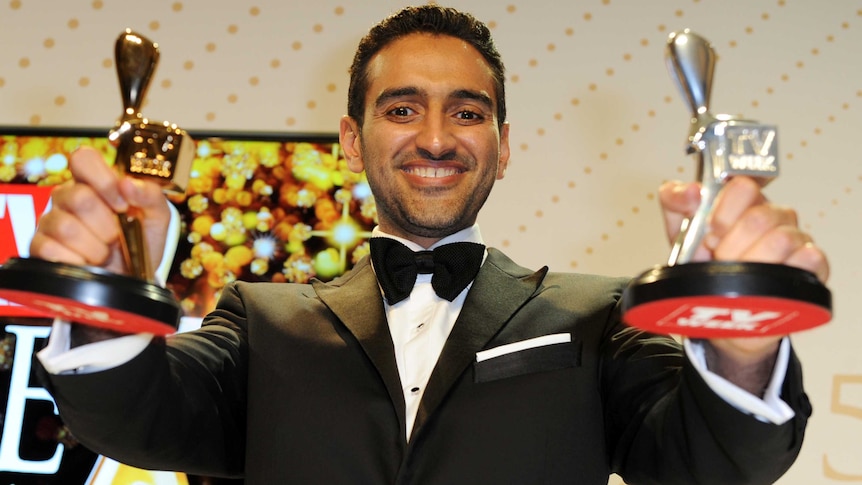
{"x":556,"y":338}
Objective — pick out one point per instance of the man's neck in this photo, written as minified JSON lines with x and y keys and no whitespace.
{"x":469,"y":234}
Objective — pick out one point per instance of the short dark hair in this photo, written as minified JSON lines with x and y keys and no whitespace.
{"x":431,"y":19}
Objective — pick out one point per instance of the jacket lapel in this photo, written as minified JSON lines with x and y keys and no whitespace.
{"x":500,"y":288}
{"x":356,"y":300}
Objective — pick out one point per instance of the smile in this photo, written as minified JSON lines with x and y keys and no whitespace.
{"x":432,"y":172}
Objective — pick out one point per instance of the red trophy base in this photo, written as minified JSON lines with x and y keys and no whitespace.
{"x":90,"y":296}
{"x":719,"y":299}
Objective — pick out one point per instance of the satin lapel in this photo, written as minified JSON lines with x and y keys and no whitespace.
{"x":500,"y":288}
{"x":356,"y":301}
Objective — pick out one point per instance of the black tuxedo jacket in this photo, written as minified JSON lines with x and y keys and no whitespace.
{"x":297,"y":384}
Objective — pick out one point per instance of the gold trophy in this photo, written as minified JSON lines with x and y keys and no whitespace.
{"x":151,"y":150}
{"x":721,"y":298}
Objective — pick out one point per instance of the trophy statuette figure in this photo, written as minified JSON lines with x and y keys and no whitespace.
{"x":145,"y":149}
{"x":715,"y":299}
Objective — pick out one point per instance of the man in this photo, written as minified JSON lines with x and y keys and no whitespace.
{"x":521,"y":377}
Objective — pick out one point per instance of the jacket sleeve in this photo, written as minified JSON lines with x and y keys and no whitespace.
{"x":178,"y":405}
{"x":666,"y":426}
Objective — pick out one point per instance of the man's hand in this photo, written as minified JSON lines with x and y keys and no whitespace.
{"x":82,"y":227}
{"x":743,"y":226}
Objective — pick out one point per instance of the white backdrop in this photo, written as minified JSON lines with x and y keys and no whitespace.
{"x":597,"y":123}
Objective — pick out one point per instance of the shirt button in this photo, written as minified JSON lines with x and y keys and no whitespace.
{"x":414,"y":390}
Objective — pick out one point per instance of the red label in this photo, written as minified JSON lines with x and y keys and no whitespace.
{"x":75,"y":311}
{"x":719,"y":317}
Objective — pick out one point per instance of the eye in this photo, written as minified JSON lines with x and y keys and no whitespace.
{"x":468,"y":115}
{"x":401,"y":111}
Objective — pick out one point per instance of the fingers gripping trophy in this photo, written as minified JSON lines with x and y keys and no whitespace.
{"x":719,"y":298}
{"x":145,"y":149}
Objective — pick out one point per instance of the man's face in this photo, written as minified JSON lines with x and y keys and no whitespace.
{"x":430,"y":143}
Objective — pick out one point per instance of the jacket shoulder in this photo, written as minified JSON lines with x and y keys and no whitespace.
{"x":556,"y":278}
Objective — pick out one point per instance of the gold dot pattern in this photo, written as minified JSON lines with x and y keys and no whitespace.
{"x":596,"y":121}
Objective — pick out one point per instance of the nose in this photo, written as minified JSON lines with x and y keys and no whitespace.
{"x":436,"y":135}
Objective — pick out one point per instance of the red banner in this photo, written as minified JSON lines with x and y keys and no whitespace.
{"x":20,"y":209}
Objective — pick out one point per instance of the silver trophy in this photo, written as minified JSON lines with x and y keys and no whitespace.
{"x":721,"y":299}
{"x":151,"y":150}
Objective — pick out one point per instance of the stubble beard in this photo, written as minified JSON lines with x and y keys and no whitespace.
{"x":427,"y":216}
{"x":420,"y":214}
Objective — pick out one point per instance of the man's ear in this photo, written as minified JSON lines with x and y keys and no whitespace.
{"x":504,"y":151}
{"x":348,"y":134}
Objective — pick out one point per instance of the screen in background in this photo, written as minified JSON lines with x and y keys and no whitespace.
{"x":259,"y":207}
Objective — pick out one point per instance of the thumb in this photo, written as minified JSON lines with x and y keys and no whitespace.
{"x":148,"y":203}
{"x":679,"y":201}
{"x":144,"y":195}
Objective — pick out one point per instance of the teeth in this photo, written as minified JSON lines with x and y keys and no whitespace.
{"x":432,"y":172}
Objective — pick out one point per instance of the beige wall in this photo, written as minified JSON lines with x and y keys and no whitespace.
{"x":596,"y":123}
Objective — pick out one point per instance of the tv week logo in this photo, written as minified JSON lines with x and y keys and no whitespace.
{"x":20,"y":209}
{"x":726,"y":318}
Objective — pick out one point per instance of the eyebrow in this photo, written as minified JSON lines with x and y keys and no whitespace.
{"x":393,"y":93}
{"x":473,"y":95}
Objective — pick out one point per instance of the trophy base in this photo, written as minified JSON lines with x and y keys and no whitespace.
{"x":719,"y":299}
{"x":90,"y":296}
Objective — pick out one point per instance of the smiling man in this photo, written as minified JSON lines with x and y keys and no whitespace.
{"x":436,"y":360}
{"x":429,"y":139}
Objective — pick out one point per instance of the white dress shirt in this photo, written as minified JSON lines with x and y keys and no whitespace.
{"x":420,"y":324}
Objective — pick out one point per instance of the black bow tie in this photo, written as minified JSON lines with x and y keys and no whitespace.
{"x":454,"y":266}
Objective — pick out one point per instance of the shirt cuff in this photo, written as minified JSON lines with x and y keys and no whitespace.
{"x":58,"y":358}
{"x":172,"y":239}
{"x":771,"y":408}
